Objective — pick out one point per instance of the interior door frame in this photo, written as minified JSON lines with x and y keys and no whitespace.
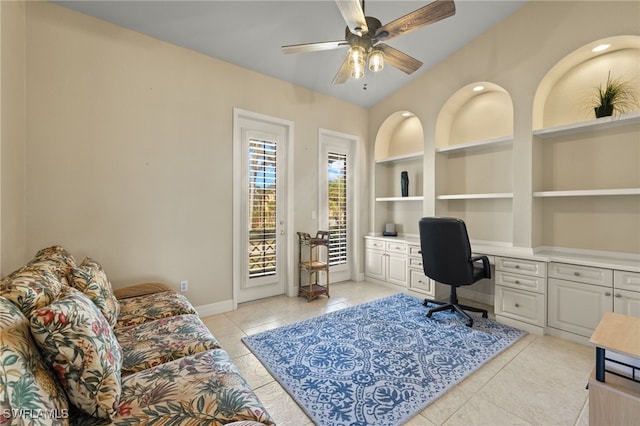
{"x":238,"y":197}
{"x":352,"y":145}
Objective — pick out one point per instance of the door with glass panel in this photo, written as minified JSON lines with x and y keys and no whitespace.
{"x":261,"y":257}
{"x":337,"y":207}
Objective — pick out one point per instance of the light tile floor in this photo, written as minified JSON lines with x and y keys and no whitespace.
{"x":540,"y":380}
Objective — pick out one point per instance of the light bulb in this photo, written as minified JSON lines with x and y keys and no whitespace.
{"x":376,"y":60}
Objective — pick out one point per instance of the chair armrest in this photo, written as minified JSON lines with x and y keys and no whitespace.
{"x":140,"y":290}
{"x":485,"y":263}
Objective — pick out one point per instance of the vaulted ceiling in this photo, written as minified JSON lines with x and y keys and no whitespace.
{"x":250,"y":34}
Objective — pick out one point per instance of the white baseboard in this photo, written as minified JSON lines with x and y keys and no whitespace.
{"x":215,"y":308}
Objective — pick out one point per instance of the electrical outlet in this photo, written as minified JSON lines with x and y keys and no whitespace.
{"x":184,"y":286}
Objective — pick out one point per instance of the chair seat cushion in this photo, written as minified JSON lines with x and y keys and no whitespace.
{"x":156,"y":342}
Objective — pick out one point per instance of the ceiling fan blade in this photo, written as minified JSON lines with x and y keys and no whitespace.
{"x":343,"y":73}
{"x":433,"y":12}
{"x":398,"y":59}
{"x":314,"y":47}
{"x":353,"y":15}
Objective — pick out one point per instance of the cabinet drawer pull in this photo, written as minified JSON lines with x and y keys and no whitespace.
{"x":517,"y":281}
{"x":607,"y":293}
{"x":517,"y":266}
{"x":577,"y":274}
{"x":618,"y":295}
{"x":517,"y":305}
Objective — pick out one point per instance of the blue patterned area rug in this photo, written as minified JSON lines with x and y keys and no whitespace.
{"x":379,"y":363}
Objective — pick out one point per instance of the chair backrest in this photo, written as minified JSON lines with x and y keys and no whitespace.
{"x":446,"y":251}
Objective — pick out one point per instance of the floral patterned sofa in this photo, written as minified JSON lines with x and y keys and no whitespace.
{"x":71,"y":352}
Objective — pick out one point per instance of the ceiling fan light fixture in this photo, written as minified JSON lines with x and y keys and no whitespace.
{"x":357,"y":71}
{"x":356,"y":56}
{"x":376,"y":60}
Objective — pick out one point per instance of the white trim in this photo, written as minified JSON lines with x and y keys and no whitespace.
{"x":215,"y":308}
{"x":238,"y":269}
{"x":354,"y":184}
{"x":487,"y":143}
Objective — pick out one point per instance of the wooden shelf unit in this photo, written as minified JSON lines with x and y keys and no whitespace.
{"x":312,"y":264}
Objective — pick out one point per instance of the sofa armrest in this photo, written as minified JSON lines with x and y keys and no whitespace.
{"x":140,"y":290}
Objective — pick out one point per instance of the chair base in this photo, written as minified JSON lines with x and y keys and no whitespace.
{"x":453,"y":305}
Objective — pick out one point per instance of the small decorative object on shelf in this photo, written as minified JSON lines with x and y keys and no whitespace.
{"x":618,"y":96}
{"x":309,"y":261}
{"x":390,"y":230}
{"x":404,"y":183}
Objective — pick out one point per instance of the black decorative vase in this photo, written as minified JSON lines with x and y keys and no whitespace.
{"x":404,"y":183}
{"x":603,"y":110}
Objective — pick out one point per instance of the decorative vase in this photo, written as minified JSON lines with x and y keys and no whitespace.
{"x":604,"y":110}
{"x":404,"y":183}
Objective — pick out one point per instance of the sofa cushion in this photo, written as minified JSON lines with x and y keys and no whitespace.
{"x":201,"y":389}
{"x":141,"y":309}
{"x":31,"y":287}
{"x":26,"y":385}
{"x":79,"y":344}
{"x":90,"y":278}
{"x":156,"y":342}
{"x":59,"y":259}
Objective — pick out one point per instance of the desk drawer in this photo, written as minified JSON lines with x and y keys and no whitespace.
{"x":394,"y":247}
{"x":520,"y":305}
{"x":415,"y":263}
{"x":523,"y":282}
{"x":415,"y":251}
{"x":418,"y":281}
{"x":581,"y":274}
{"x":521,"y":266}
{"x":626,"y":280}
{"x":374,"y":244}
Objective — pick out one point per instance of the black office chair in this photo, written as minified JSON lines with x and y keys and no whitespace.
{"x":446,"y":258}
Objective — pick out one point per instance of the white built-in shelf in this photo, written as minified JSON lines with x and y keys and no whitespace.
{"x":413,"y":198}
{"x":487,"y":196}
{"x":588,"y":192}
{"x":486,"y":143}
{"x":602,"y":123}
{"x":403,"y":157}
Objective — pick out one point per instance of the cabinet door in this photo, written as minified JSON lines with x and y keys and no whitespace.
{"x":627,"y":303}
{"x":375,"y":264}
{"x":577,"y":307}
{"x":397,"y":269}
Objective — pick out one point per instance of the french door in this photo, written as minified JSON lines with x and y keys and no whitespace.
{"x":261,"y":206}
{"x":337,"y":191}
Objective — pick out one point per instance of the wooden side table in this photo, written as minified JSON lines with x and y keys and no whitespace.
{"x":310,"y":254}
{"x":614,"y":399}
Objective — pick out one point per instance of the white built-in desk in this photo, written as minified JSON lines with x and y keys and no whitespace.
{"x":548,"y":291}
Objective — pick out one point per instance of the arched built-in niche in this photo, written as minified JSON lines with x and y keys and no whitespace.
{"x":474,"y":161}
{"x":399,"y":146}
{"x":586,"y":181}
{"x":475,"y":115}
{"x":400,"y":134}
{"x":563,"y":96}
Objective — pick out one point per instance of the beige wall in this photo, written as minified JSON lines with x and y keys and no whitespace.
{"x":129,"y":150}
{"x":12,"y":135}
{"x":515,"y":55}
{"x":128,"y":139}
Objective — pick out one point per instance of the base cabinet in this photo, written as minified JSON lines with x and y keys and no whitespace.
{"x":521,"y":287}
{"x":386,"y":261}
{"x":577,"y":307}
{"x":418,"y":281}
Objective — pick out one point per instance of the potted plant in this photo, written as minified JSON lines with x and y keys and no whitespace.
{"x":617,"y":95}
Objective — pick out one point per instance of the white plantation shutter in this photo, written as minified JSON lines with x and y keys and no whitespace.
{"x":337,"y":190}
{"x":262,"y":208}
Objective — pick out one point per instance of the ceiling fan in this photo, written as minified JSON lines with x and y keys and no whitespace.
{"x":364,"y":35}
